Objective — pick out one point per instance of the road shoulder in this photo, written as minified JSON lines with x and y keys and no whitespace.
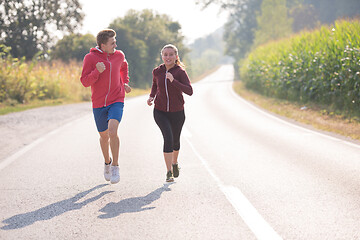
{"x":22,"y":128}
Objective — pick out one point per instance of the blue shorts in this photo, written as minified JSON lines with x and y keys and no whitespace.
{"x":104,"y":114}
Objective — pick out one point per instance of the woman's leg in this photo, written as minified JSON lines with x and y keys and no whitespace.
{"x":175,"y":157}
{"x":168,"y":160}
{"x":177,"y":122}
{"x":163,"y":122}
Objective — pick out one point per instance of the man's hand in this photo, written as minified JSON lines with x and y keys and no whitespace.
{"x":100,"y":67}
{"x":127,"y":88}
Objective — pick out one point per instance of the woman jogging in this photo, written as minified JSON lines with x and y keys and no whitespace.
{"x":170,"y":80}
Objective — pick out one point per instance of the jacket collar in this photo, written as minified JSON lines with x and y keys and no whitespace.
{"x":101,"y":52}
{"x":97,"y":48}
{"x":163,"y":66}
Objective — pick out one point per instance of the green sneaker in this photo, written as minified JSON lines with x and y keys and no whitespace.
{"x":175,"y":168}
{"x":169,"y":177}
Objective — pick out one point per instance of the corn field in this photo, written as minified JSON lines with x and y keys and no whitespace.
{"x":22,"y":81}
{"x":320,"y":67}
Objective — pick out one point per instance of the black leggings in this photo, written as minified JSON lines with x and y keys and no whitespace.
{"x":170,"y":124}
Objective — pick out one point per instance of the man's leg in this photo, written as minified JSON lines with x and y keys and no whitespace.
{"x":114,"y":140}
{"x":104,"y":144}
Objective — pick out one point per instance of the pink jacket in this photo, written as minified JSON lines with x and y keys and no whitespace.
{"x":168,"y":95}
{"x":106,"y":87}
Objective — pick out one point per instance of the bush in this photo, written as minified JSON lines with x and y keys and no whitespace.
{"x":23,"y":81}
{"x":322,"y":67}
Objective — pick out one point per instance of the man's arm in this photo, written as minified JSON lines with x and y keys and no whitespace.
{"x":124,"y":72}
{"x":127,"y":88}
{"x":90,"y":74}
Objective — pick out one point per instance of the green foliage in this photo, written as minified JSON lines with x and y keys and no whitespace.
{"x":73,"y":47}
{"x":321,"y":67}
{"x":209,"y":59}
{"x":241,"y":26}
{"x":273,"y":22}
{"x":141,"y":36}
{"x":206,"y":53}
{"x":307,"y":14}
{"x":22,"y":81}
{"x":330,"y":10}
{"x":27,"y":26}
{"x":304,"y":17}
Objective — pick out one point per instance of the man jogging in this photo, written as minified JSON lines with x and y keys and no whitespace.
{"x":105,"y":69}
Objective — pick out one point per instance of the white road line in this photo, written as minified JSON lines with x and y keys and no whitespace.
{"x":288,"y":123}
{"x":253,"y":219}
{"x":7,"y":161}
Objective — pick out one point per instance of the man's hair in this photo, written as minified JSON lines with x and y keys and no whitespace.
{"x":104,"y":35}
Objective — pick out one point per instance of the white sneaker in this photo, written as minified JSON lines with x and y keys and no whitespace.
{"x":107,"y":171}
{"x":115,"y":177}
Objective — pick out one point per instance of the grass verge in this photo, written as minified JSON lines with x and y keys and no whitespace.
{"x":205,"y":74}
{"x":312,"y":115}
{"x":18,"y":107}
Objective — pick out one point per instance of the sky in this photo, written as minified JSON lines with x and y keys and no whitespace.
{"x":194,"y":21}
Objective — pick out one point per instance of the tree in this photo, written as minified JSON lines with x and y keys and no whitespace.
{"x":141,"y":35}
{"x":309,"y":14}
{"x":206,"y":53}
{"x":73,"y":46}
{"x":330,"y":10}
{"x":136,"y":54}
{"x":240,"y":28}
{"x":273,"y":22}
{"x":242,"y":24}
{"x":304,"y":17}
{"x":28,"y":26}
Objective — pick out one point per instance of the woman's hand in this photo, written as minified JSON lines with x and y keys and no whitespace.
{"x":127,"y":88}
{"x":150,"y":100}
{"x":169,"y":76}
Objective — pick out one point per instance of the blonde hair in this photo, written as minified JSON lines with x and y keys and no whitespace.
{"x":177,"y":61}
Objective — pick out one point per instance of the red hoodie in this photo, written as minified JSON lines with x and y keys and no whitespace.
{"x":168,"y":94}
{"x":106,"y":87}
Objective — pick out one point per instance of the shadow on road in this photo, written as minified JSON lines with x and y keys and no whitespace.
{"x":52,"y":210}
{"x":130,"y":205}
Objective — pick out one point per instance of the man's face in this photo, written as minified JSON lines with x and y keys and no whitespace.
{"x":110,"y":45}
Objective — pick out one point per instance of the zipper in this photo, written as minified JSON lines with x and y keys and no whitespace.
{"x":167,"y":94}
{"x":107,"y":57}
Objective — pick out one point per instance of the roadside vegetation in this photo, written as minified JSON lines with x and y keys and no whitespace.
{"x":294,"y":57}
{"x":36,"y":69}
{"x":318,"y":67}
{"x":312,"y":77}
{"x":313,"y":115}
{"x":298,"y":58}
{"x":29,"y":84}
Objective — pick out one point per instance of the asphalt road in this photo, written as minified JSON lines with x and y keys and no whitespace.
{"x":245,"y":174}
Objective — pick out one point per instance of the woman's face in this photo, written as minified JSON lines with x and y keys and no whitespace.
{"x":169,"y":57}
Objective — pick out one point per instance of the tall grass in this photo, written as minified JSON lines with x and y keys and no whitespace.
{"x":21,"y":81}
{"x":322,"y":67}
